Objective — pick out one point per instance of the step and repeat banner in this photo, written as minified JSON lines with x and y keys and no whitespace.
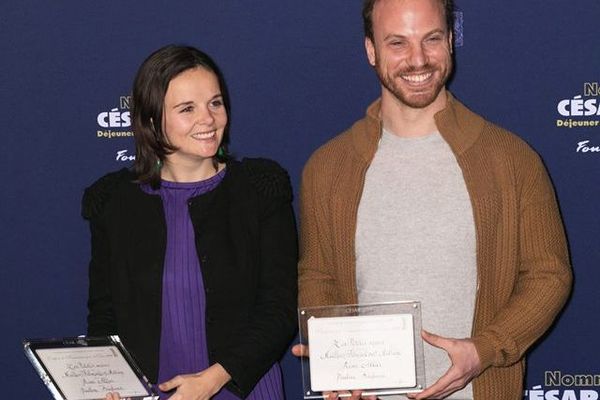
{"x":297,"y":75}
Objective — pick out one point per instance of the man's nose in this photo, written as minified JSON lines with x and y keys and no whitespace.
{"x":417,"y":57}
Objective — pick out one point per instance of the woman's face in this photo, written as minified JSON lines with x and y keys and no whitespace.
{"x":194,"y":116}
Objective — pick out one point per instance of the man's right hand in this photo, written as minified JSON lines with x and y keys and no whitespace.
{"x":114,"y":396}
{"x":355,"y":395}
{"x":301,"y":350}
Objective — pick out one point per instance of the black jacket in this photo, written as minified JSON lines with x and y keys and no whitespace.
{"x":246,"y":241}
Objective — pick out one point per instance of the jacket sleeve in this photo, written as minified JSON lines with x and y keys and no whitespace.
{"x":543,"y":279}
{"x":101,"y":318}
{"x":264,"y":339}
{"x":316,"y":282}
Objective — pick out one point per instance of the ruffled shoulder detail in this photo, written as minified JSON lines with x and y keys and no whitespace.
{"x":268,"y":177}
{"x":100,"y":192}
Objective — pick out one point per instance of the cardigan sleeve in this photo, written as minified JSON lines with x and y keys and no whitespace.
{"x":266,"y":336}
{"x":316,"y":282}
{"x":544,"y":275}
{"x":101,"y":317}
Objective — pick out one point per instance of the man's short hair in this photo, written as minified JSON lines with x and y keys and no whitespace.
{"x":367,"y":14}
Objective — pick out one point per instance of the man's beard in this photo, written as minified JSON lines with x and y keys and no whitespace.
{"x":405,"y":96}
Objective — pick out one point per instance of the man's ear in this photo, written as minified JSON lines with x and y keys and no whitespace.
{"x":370,"y":49}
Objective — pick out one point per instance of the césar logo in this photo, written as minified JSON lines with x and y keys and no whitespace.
{"x":586,"y":105}
{"x":117,"y":117}
{"x":555,"y":383}
{"x":114,"y":119}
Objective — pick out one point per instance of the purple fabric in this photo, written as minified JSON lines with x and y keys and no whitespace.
{"x":183,"y":348}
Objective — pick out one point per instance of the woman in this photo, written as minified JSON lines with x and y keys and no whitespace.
{"x":193,"y":253}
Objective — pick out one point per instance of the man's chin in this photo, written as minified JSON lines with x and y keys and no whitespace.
{"x":418,"y":97}
{"x":416,"y":100}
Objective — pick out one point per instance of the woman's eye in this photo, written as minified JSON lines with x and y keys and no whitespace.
{"x":187,"y":109}
{"x":216,"y":103}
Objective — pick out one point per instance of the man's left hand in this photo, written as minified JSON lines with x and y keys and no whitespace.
{"x":465,"y":366}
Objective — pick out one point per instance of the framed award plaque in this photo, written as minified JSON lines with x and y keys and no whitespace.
{"x":376,"y":348}
{"x":87,"y":368}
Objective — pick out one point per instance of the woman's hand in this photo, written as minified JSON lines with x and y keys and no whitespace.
{"x":200,"y":386}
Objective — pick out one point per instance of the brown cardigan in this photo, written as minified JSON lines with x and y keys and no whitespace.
{"x":524,"y":276}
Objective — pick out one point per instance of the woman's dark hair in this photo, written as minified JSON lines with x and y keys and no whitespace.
{"x":148,"y":95}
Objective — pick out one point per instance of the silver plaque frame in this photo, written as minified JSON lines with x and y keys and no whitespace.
{"x":87,"y":372}
{"x":356,"y":363}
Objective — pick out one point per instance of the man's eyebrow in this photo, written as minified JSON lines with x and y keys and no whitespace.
{"x":400,"y":36}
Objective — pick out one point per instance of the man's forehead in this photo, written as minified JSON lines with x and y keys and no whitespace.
{"x":397,"y":13}
{"x":399,"y":6}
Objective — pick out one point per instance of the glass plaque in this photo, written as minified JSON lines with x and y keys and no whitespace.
{"x":87,"y":368}
{"x":376,"y":348}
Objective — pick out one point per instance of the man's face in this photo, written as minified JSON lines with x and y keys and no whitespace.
{"x":411,"y":50}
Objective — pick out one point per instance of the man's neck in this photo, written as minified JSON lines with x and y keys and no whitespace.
{"x":403,"y":120}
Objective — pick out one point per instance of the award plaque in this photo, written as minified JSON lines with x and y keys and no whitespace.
{"x":376,"y":348}
{"x":87,"y":368}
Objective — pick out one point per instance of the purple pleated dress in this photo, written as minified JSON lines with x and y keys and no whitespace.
{"x":183,"y":348}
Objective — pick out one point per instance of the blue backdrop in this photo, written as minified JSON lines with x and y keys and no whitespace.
{"x":297,"y":75}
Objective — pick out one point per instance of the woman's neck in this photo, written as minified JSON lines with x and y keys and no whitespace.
{"x":174,"y":171}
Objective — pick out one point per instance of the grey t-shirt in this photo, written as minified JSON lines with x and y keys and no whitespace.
{"x":415,"y":239}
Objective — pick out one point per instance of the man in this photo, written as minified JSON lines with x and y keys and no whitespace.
{"x":425,"y":200}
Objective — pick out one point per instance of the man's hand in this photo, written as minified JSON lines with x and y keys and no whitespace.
{"x":465,"y":366}
{"x":114,"y":396}
{"x":301,"y":350}
{"x":354,"y":395}
{"x":200,"y":386}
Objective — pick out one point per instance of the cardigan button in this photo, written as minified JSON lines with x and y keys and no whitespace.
{"x":203,"y":259}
